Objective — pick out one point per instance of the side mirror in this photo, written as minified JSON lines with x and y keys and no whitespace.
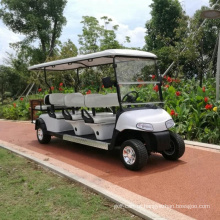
{"x":107,"y":82}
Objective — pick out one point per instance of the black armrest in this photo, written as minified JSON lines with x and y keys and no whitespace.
{"x":51,"y":111}
{"x":88,"y":119}
{"x":66,"y":114}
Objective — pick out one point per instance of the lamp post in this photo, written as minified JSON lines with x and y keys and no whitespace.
{"x":214,"y":14}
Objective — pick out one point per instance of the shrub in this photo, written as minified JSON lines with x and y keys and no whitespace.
{"x":18,"y":110}
{"x":194,"y":109}
{"x":196,"y":112}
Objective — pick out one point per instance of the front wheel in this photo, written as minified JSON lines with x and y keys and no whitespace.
{"x":177,"y":147}
{"x":133,"y":154}
{"x":42,"y":135}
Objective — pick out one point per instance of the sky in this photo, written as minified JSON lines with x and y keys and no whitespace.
{"x":130,"y":15}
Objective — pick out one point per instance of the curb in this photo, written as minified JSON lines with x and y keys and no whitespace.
{"x":102,"y":187}
{"x":204,"y":145}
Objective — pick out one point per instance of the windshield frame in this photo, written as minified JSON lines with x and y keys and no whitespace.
{"x":158,"y":82}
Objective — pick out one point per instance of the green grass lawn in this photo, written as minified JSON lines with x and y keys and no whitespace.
{"x":28,"y":191}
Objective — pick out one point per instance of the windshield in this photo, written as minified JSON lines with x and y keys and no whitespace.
{"x":138,"y":79}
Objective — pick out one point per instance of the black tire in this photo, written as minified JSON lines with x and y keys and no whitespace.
{"x":177,"y":147}
{"x":139,"y":154}
{"x":42,"y":135}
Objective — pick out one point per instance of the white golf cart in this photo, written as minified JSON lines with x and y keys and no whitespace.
{"x":134,"y":120}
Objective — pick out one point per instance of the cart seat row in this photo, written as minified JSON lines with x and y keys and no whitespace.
{"x":84,"y":122}
{"x":75,"y":101}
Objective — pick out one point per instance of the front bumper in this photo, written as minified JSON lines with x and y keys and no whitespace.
{"x":157,"y":141}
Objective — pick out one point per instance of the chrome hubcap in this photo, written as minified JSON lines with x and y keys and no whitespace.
{"x":129,"y":155}
{"x":40,"y":133}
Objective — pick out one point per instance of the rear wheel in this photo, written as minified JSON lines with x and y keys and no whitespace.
{"x":177,"y":147}
{"x":133,"y":154}
{"x":42,"y":135}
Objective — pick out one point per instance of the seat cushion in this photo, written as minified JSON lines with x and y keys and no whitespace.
{"x":59,"y":115}
{"x":76,"y":117}
{"x":104,"y":118}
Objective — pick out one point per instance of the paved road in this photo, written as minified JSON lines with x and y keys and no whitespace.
{"x":193,"y":180}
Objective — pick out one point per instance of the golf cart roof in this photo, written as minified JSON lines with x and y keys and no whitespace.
{"x":89,"y":60}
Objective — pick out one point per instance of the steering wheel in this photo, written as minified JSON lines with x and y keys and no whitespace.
{"x":130,"y":98}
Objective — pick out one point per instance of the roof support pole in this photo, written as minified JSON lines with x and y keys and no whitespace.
{"x":78,"y":81}
{"x":45,"y":77}
{"x":117,"y":85}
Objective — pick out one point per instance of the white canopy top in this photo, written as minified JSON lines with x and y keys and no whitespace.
{"x":89,"y":60}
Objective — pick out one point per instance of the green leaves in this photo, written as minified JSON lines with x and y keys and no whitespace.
{"x":97,"y":36}
{"x":18,"y":110}
{"x":166,"y":28}
{"x":191,"y":117}
{"x":38,"y":20}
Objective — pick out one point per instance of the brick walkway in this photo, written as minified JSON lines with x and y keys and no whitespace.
{"x":193,"y":180}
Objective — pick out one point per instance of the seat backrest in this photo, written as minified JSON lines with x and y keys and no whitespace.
{"x":57,"y":99}
{"x":74,"y":100}
{"x":101,"y":101}
{"x":46,"y":99}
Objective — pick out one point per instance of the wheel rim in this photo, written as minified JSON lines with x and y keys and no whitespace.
{"x":129,"y":155}
{"x":171,"y":150}
{"x":40,"y":133}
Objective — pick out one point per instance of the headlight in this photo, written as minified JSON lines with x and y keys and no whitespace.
{"x":170,"y":123}
{"x":144,"y":126}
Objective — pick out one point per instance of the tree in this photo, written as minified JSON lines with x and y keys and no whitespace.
{"x":67,"y":78}
{"x":90,"y":35}
{"x":38,"y":20}
{"x":167,"y":18}
{"x":200,"y":53}
{"x":108,"y":40}
{"x":68,"y":49}
{"x":161,"y":28}
{"x":97,"y":36}
{"x":212,"y":2}
{"x":10,"y":82}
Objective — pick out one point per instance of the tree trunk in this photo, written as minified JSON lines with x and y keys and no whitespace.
{"x":201,"y":67}
{"x":53,"y":39}
{"x":2,"y":92}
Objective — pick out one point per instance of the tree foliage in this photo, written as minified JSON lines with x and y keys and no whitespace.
{"x":10,"y":82}
{"x":68,"y":49}
{"x":97,"y":36}
{"x":190,"y":42}
{"x":40,"y":20}
{"x":167,"y":18}
{"x":108,"y":40}
{"x":199,"y":56}
{"x":68,"y":78}
{"x":167,"y":33}
{"x":164,"y":21}
{"x":90,"y":35}
{"x":212,"y":2}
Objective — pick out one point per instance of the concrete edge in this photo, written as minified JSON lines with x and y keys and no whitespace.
{"x":204,"y":145}
{"x":139,"y":211}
